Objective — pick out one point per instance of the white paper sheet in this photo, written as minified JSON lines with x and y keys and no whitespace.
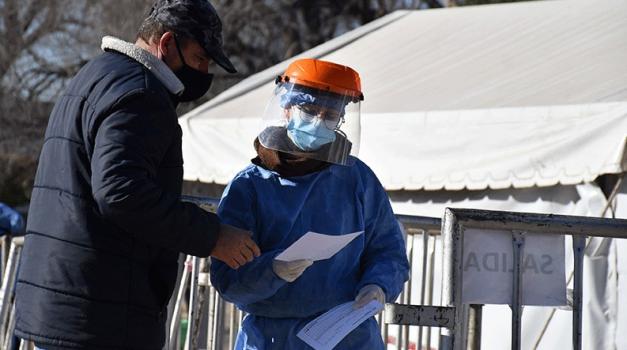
{"x":328,"y":329}
{"x":316,"y":246}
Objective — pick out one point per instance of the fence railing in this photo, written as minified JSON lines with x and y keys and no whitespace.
{"x":212,"y":323}
{"x":455,"y":224}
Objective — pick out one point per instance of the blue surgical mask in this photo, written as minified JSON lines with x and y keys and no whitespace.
{"x":308,"y":135}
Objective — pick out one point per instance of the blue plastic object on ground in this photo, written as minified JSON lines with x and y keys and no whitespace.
{"x":10,"y":221}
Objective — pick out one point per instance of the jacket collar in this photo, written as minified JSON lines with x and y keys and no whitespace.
{"x":150,"y":61}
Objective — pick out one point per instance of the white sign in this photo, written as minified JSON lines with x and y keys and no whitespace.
{"x":328,"y":329}
{"x":488,"y":268}
{"x":316,"y":246}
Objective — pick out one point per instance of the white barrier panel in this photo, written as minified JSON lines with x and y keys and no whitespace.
{"x":488,"y":264}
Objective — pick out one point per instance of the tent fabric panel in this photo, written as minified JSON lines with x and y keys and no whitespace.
{"x":450,"y":150}
{"x":496,"y":148}
{"x":504,"y":55}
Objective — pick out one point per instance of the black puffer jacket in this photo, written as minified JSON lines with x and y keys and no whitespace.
{"x":106,"y":222}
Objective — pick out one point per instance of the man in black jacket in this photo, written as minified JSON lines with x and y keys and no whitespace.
{"x":106,"y":223}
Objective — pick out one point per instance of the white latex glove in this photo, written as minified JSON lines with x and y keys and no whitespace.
{"x":367,"y":293}
{"x":290,"y":270}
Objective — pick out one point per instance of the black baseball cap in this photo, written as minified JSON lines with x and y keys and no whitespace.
{"x":195,"y":19}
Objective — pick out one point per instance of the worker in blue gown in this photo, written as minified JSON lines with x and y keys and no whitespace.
{"x":306,"y":178}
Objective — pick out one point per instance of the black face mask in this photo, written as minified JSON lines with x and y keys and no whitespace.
{"x":196,"y":83}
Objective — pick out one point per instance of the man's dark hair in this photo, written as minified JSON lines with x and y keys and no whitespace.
{"x":152,"y":30}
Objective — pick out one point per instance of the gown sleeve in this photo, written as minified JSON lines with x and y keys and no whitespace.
{"x":384,"y":260}
{"x":255,"y":280}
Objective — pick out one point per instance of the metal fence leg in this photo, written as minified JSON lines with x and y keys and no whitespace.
{"x":398,"y":342}
{"x":410,"y":254}
{"x":215,"y":325}
{"x":176,"y":314}
{"x":423,"y":284}
{"x":4,"y":244}
{"x":204,"y":298}
{"x":579,"y":244}
{"x":219,"y":334}
{"x":211,"y":305}
{"x":8,"y":337}
{"x":173,"y":303}
{"x":474,"y":329}
{"x":430,"y":279}
{"x":8,"y":285}
{"x":232,"y":325}
{"x":452,"y":282}
{"x":518,"y":241}
{"x":201,"y":304}
{"x":190,"y":340}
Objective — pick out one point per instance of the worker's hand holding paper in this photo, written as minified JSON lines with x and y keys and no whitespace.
{"x":316,"y":246}
{"x":328,"y":329}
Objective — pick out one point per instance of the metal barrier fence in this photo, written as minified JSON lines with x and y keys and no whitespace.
{"x":457,"y":221}
{"x":213,"y":322}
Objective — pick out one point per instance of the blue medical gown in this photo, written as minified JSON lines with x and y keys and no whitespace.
{"x":335,"y":201}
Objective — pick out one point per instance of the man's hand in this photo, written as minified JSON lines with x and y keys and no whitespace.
{"x":235,"y":246}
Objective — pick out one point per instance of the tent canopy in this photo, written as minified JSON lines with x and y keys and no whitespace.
{"x":495,"y":96}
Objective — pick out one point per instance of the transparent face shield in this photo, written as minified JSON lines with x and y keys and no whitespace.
{"x":311,"y":123}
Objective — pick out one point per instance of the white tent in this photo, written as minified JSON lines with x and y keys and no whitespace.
{"x":507,"y":107}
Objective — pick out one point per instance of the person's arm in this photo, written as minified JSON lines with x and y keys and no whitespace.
{"x":250,"y":283}
{"x":129,"y":146}
{"x":384,"y":262}
{"x":256,"y":280}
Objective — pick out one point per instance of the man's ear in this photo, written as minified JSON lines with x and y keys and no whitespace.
{"x":165,"y":44}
